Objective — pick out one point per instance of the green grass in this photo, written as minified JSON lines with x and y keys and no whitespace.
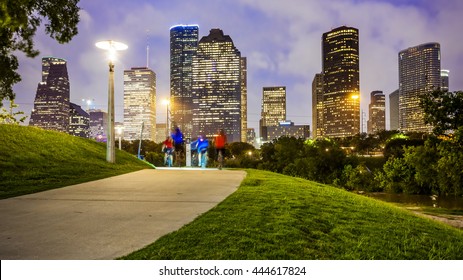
{"x":272,"y":216}
{"x":33,"y":160}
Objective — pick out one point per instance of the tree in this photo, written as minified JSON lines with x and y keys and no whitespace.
{"x":240,"y":149}
{"x":19,"y":20}
{"x":443,"y":110}
{"x":9,"y":117}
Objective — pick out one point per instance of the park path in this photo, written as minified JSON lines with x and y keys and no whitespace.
{"x":109,"y":218}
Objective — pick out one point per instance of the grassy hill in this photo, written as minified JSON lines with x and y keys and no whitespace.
{"x":272,"y":216}
{"x":33,"y":160}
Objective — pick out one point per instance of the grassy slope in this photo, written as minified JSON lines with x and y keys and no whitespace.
{"x":33,"y":160}
{"x":272,"y":216}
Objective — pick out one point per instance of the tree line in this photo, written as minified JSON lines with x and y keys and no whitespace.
{"x":390,"y":161}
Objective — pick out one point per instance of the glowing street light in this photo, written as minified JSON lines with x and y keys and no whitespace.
{"x":112,"y":47}
{"x":119,"y":130}
{"x":88,"y":102}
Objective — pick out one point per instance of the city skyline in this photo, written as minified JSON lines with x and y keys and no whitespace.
{"x":281,"y":40}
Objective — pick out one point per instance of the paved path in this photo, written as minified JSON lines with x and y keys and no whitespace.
{"x":109,"y":218}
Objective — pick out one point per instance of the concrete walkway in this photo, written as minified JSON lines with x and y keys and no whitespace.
{"x":109,"y":218}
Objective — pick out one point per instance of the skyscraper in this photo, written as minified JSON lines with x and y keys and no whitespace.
{"x":139,"y":103}
{"x":98,"y":125}
{"x":51,"y":105}
{"x":419,"y":72}
{"x":79,"y":121}
{"x":244,"y":99}
{"x":444,"y":75}
{"x":183,"y":46}
{"x":217,"y":86}
{"x":273,"y":108}
{"x":394,"y":110}
{"x":377,"y":112}
{"x":317,"y":106}
{"x":341,"y":82}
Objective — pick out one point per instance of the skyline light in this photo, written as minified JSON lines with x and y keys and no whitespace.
{"x":281,"y":40}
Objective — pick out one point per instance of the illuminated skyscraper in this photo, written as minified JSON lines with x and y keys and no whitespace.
{"x":377,"y":112}
{"x":79,"y":121}
{"x":51,"y":105}
{"x":217,"y":87}
{"x":419,"y":72}
{"x":444,"y":75}
{"x":139,"y":103}
{"x":341,"y":82}
{"x":244,"y":99}
{"x":98,"y":125}
{"x":273,"y":109}
{"x":317,"y":106}
{"x":183,"y":46}
{"x":394,"y":110}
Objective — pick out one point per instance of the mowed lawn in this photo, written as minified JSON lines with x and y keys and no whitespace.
{"x":33,"y":160}
{"x":272,"y":216}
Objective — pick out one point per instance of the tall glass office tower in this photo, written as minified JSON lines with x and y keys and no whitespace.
{"x":244,"y":99}
{"x":341,"y":82}
{"x":51,"y":105}
{"x":273,"y":109}
{"x":377,"y":112}
{"x":317,"y":106}
{"x":139,"y":104}
{"x":419,"y":72}
{"x":217,"y":86}
{"x":183,"y":46}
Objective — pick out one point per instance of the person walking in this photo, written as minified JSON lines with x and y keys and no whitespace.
{"x":219,"y":143}
{"x":203,"y":145}
{"x":177,"y":136}
{"x":168,"y":149}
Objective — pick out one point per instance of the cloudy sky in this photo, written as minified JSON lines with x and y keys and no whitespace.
{"x":281,"y":40}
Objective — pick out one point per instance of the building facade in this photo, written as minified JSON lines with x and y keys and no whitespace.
{"x":288,"y":129}
{"x":317,"y":106}
{"x":183,"y":47}
{"x":394,"y":110}
{"x":341,"y":82}
{"x":273,"y":108}
{"x":251,"y":136}
{"x":139,"y":104}
{"x":98,"y":124}
{"x":244,"y":99}
{"x":79,"y":121}
{"x":376,"y":112}
{"x":217,"y":87}
{"x":444,"y":75}
{"x":51,"y":105}
{"x":419,"y":73}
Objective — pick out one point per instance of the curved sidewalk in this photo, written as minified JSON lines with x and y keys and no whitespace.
{"x":109,"y":218}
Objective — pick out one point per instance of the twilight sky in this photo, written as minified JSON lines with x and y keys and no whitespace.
{"x":281,"y":40}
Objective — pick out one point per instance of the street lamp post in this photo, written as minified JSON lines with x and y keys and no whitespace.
{"x":119,"y":134}
{"x":167,"y":103}
{"x":111,"y":47}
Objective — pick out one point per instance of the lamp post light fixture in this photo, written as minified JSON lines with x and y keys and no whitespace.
{"x":167,"y":103}
{"x":88,"y":102}
{"x":119,"y":130}
{"x":112,"y":47}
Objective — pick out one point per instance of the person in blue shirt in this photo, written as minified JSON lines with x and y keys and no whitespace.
{"x":194,"y":153}
{"x":177,"y":136}
{"x":202,"y":146}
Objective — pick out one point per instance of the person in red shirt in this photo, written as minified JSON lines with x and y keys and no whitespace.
{"x":168,"y":148}
{"x":219,"y":144}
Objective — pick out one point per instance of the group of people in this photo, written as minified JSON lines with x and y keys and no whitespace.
{"x":175,"y":143}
